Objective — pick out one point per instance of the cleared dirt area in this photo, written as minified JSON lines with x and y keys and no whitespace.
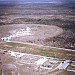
{"x":60,"y":16}
{"x":15,"y":63}
{"x":28,"y":33}
{"x":40,"y":32}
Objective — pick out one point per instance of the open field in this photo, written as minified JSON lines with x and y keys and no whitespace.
{"x":39,"y":31}
{"x":47,"y":14}
{"x":28,"y":61}
{"x":39,"y":50}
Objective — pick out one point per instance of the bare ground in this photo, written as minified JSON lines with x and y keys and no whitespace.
{"x":26,"y":64}
{"x":62,"y":17}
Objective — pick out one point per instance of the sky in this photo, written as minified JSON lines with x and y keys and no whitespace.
{"x":34,"y":1}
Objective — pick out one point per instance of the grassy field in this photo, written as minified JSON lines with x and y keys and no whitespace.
{"x":39,"y":50}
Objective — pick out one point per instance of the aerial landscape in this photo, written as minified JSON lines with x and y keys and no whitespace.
{"x":37,"y":37}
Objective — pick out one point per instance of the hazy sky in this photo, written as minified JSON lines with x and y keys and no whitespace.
{"x":20,"y":1}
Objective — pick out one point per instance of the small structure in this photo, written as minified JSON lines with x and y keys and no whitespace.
{"x":28,"y":29}
{"x":64,"y":65}
{"x":47,"y":65}
{"x":7,"y":39}
{"x":41,"y":61}
{"x":44,"y":63}
{"x":16,"y":54}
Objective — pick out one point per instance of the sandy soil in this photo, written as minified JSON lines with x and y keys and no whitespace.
{"x":66,"y":22}
{"x":21,"y":64}
{"x":48,"y":25}
{"x":29,"y":33}
{"x":53,"y":15}
{"x":14,"y":63}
